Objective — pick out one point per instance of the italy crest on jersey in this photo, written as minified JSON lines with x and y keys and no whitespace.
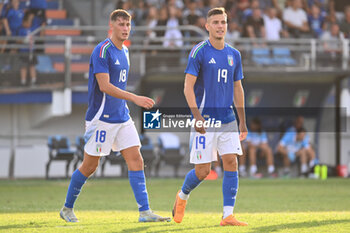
{"x":230,"y":60}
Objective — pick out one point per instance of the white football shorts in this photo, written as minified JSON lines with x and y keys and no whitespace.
{"x":102,"y":137}
{"x":204,"y":147}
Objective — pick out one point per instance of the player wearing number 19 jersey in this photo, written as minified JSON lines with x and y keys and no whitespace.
{"x":212,"y":84}
{"x":108,"y":124}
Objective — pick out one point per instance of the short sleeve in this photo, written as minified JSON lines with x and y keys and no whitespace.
{"x":238,"y":75}
{"x":194,"y":64}
{"x":286,"y":139}
{"x":99,"y":63}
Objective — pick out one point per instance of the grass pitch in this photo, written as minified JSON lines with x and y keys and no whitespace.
{"x":109,"y":206}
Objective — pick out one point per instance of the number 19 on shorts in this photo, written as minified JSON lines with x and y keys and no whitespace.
{"x":100,"y":136}
{"x":200,"y":141}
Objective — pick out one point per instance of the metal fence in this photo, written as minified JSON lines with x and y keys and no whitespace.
{"x":161,"y":54}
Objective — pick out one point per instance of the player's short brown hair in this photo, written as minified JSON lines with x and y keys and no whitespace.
{"x":119,"y":13}
{"x":216,"y":11}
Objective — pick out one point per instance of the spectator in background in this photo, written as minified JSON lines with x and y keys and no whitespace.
{"x":273,"y":25}
{"x":173,"y":36}
{"x":293,"y":145}
{"x":201,"y":21}
{"x":265,"y":5}
{"x":295,"y":19}
{"x":3,"y":9}
{"x":331,"y":44}
{"x":38,"y":9}
{"x":13,"y":19}
{"x":190,"y":17}
{"x":254,"y":27}
{"x":162,"y":20}
{"x":151,"y":22}
{"x":27,"y":58}
{"x":233,"y":32}
{"x":191,"y":14}
{"x":140,"y":13}
{"x":345,"y":24}
{"x":256,"y":142}
{"x":316,"y":21}
{"x":247,"y":13}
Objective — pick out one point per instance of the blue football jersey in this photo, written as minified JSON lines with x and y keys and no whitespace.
{"x":289,"y":140}
{"x":107,"y":58}
{"x":216,"y":71}
{"x":256,"y":138}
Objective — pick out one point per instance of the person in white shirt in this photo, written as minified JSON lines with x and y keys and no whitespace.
{"x":273,"y":25}
{"x":295,"y":19}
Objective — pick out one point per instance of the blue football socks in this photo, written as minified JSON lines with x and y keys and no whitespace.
{"x":230,"y":188}
{"x":76,"y":183}
{"x":138,"y":184}
{"x":190,"y":183}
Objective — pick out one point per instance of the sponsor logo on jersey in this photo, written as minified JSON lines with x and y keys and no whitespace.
{"x":117,"y":62}
{"x":212,"y":61}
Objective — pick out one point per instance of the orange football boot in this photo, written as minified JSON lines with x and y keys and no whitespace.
{"x":179,"y":208}
{"x":232,"y":221}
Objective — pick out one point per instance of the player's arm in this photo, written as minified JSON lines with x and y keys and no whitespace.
{"x":238,"y":100}
{"x":6,"y":26}
{"x":190,"y":80}
{"x":108,"y":88}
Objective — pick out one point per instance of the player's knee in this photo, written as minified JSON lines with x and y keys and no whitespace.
{"x":202,"y":173}
{"x":88,"y":169}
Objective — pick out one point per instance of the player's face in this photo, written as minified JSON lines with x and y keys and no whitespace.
{"x":217,"y":26}
{"x":121,"y":28}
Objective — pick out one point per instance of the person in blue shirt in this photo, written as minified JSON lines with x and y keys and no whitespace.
{"x":27,"y":58}
{"x":212,"y":84}
{"x":256,"y":143}
{"x":38,"y":9}
{"x":293,"y":144}
{"x":108,"y":123}
{"x":13,"y":18}
{"x":316,"y":21}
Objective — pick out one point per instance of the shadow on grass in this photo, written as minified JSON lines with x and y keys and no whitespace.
{"x":168,"y":228}
{"x":306,"y":224}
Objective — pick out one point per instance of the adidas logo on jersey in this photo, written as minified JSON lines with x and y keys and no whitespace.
{"x":212,"y":61}
{"x":117,"y":62}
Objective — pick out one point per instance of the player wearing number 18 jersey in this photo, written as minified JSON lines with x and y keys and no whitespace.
{"x":108,"y":124}
{"x":212,"y":84}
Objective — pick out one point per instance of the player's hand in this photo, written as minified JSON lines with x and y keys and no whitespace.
{"x":201,"y":129}
{"x":144,"y":102}
{"x":243,"y":131}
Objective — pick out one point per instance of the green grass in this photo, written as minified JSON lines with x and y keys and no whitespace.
{"x":109,"y":206}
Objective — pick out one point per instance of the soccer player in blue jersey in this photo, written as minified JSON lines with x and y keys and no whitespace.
{"x":212,"y":84}
{"x":256,"y":143}
{"x":108,"y":123}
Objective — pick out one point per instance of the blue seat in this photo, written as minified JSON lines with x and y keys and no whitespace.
{"x":59,"y":149}
{"x":261,"y":56}
{"x":44,"y":64}
{"x":282,"y":56}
